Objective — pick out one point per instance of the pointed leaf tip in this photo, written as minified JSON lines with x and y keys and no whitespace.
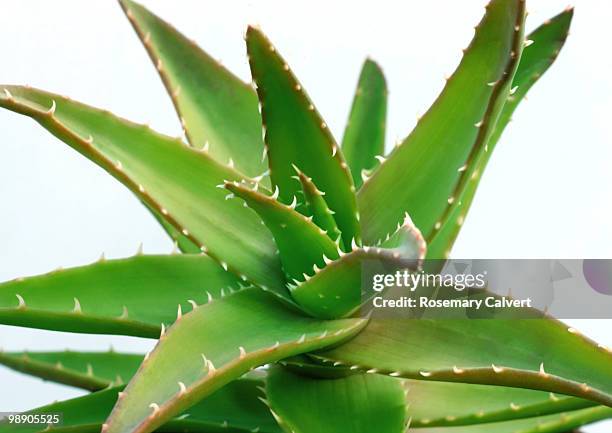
{"x":187,"y":176}
{"x":421,"y":174}
{"x":548,"y":39}
{"x":297,"y":135}
{"x":300,"y":242}
{"x":274,"y":338}
{"x":364,"y":137}
{"x":217,"y":110}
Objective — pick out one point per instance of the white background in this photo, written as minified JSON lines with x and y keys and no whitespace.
{"x":546,"y":192}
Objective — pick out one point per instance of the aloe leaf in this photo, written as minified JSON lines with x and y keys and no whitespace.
{"x":540,"y":354}
{"x":439,"y":404}
{"x":304,"y":365}
{"x":446,"y":404}
{"x":214,"y":106}
{"x":235,"y":408}
{"x":237,"y":405}
{"x":181,"y":242}
{"x":337,"y":289}
{"x":559,"y":423}
{"x":317,"y":207}
{"x":406,"y":241}
{"x":360,"y":403}
{"x":213,"y":345}
{"x":364,"y":136}
{"x":165,"y":175}
{"x":88,"y":370}
{"x":545,"y":43}
{"x":301,"y":244}
{"x":297,"y":135}
{"x":543,"y":46}
{"x":422,"y":175}
{"x":131,"y":296}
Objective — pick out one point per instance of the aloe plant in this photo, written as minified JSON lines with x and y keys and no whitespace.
{"x":276,"y":221}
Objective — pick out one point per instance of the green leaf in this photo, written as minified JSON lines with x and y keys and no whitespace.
{"x":563,"y":423}
{"x":297,"y":135}
{"x":235,"y":408}
{"x":301,"y":244}
{"x":338,"y":289}
{"x":423,"y":174}
{"x":362,"y":403}
{"x":316,"y":206}
{"x":541,"y":354}
{"x":131,"y":296}
{"x":177,"y":181}
{"x":407,"y":240}
{"x":214,"y":106}
{"x":304,"y":365}
{"x":335,"y":290}
{"x":364,"y":136}
{"x":437,"y":404}
{"x":545,"y":44}
{"x":88,"y":370}
{"x":236,"y":405}
{"x":213,"y":345}
{"x":181,"y":242}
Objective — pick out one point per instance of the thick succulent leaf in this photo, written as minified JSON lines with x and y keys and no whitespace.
{"x":422,"y":175}
{"x":563,"y":423}
{"x":305,"y":365}
{"x":361,"y":403}
{"x":213,"y":345}
{"x":297,"y":135}
{"x":173,"y":179}
{"x":181,"y":242}
{"x":454,"y":404}
{"x":301,"y":244}
{"x":435,"y":404}
{"x":545,"y":44}
{"x":364,"y":136}
{"x":338,"y":289}
{"x":316,"y":206}
{"x":130,"y":296}
{"x":235,"y":408}
{"x":541,"y":354}
{"x":214,"y":106}
{"x":407,"y":241}
{"x":335,"y":290}
{"x":87,"y":370}
{"x":237,"y":405}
